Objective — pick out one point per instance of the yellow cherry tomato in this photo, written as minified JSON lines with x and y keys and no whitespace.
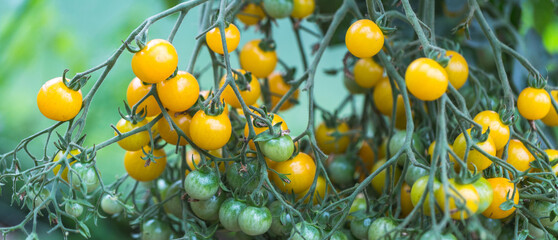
{"x":256,"y":59}
{"x":251,"y":14}
{"x":457,"y":69}
{"x":136,"y":91}
{"x":300,"y":170}
{"x":71,"y":160}
{"x":383,"y":99}
{"x":367,"y":156}
{"x":379,"y":181}
{"x":418,"y":189}
{"x":503,"y":190}
{"x":303,"y":8}
{"x":276,"y":119}
{"x":328,"y":143}
{"x":519,"y":156}
{"x":136,"y":141}
{"x":250,"y":95}
{"x":426,"y":79}
{"x":459,"y":194}
{"x":210,"y":132}
{"x":138,"y":168}
{"x":154,"y":130}
{"x":499,"y":132}
{"x":278,"y":87}
{"x":232,"y":38}
{"x":533,"y":103}
{"x":551,"y":118}
{"x":182,"y":120}
{"x":364,"y":38}
{"x":155,"y":62}
{"x":552,"y":155}
{"x":180,"y":92}
{"x":367,"y":72}
{"x":58,"y":102}
{"x":319,"y":192}
{"x":406,"y":204}
{"x":475,"y":158}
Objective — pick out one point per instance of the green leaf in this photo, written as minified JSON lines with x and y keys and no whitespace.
{"x":263,"y":137}
{"x":84,"y":231}
{"x":507,"y":205}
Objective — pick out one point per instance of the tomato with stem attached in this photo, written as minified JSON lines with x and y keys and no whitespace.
{"x":367,"y":72}
{"x":138,"y":90}
{"x":136,"y":141}
{"x":278,"y":149}
{"x":74,"y":209}
{"x":155,"y":62}
{"x":84,"y":176}
{"x":243,"y":176}
{"x":259,"y":129}
{"x":464,"y":195}
{"x":180,"y":92}
{"x":457,"y":69}
{"x":331,"y":144}
{"x":503,"y":190}
{"x":499,"y":132}
{"x":364,"y":38}
{"x":201,"y":184}
{"x":210,"y":132}
{"x":426,"y":79}
{"x":475,"y":159}
{"x":57,"y":101}
{"x":169,"y":133}
{"x":258,"y":57}
{"x":251,"y":14}
{"x":533,"y":103}
{"x":59,"y":155}
{"x":111,"y":205}
{"x":250,"y":95}
{"x":300,"y":170}
{"x":519,"y":156}
{"x":232,"y":38}
{"x":278,"y":88}
{"x":141,"y":170}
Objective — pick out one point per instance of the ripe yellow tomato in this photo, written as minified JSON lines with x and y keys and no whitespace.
{"x":210,"y":132}
{"x":300,"y":170}
{"x":250,"y":95}
{"x":431,"y":148}
{"x":426,"y":79}
{"x":518,"y":155}
{"x":367,"y":72}
{"x":552,"y":155}
{"x":319,"y":192}
{"x":499,"y":132}
{"x":367,"y":156}
{"x":551,"y":118}
{"x":459,"y":194}
{"x":328,"y":143}
{"x":533,"y":103}
{"x":364,"y":38}
{"x":475,"y":158}
{"x":58,"y":102}
{"x":503,"y":190}
{"x":258,"y":60}
{"x":232,"y":38}
{"x":155,"y":62}
{"x":379,"y":181}
{"x":383,"y":99}
{"x":193,"y":157}
{"x":276,"y":119}
{"x":71,"y":160}
{"x":136,"y":91}
{"x":302,"y":8}
{"x":136,"y":141}
{"x":154,"y":130}
{"x":406,"y":204}
{"x":278,"y":87}
{"x":251,"y":14}
{"x":182,"y":120}
{"x":136,"y":165}
{"x":457,"y":69}
{"x":180,"y":92}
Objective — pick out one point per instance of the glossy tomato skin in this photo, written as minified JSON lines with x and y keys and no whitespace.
{"x":135,"y":165}
{"x":457,"y":69}
{"x":154,"y":229}
{"x":383,"y":99}
{"x":301,"y":169}
{"x":155,"y":62}
{"x":414,"y":173}
{"x":379,"y":181}
{"x":364,"y":38}
{"x":319,"y":191}
{"x":244,"y":177}
{"x":59,"y":155}
{"x":278,"y":149}
{"x":359,"y":226}
{"x":519,"y":156}
{"x":551,"y":118}
{"x":502,"y":187}
{"x":276,"y":119}
{"x":84,"y":176}
{"x":136,"y":91}
{"x":303,"y":8}
{"x":170,"y":135}
{"x":475,"y":159}
{"x":533,"y":103}
{"x":254,"y":220}
{"x":210,"y":132}
{"x":341,"y":171}
{"x":278,"y":87}
{"x":278,"y":8}
{"x":73,"y":209}
{"x":251,"y":14}
{"x":466,"y":194}
{"x":256,"y":60}
{"x":328,"y":143}
{"x":418,"y":189}
{"x":305,"y":231}
{"x":486,"y":193}
{"x":180,"y":92}
{"x":110,"y":205}
{"x":426,"y":79}
{"x":249,"y":96}
{"x":58,"y":102}
{"x":134,"y":142}
{"x":499,"y":132}
{"x":367,"y":72}
{"x":208,"y":209}
{"x":380,"y":228}
{"x":277,"y":226}
{"x":201,"y":185}
{"x":229,"y":212}
{"x":232,"y":37}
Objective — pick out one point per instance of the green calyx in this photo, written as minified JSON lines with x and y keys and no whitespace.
{"x":130,"y":116}
{"x":74,"y":84}
{"x":507,"y":116}
{"x":330,"y":120}
{"x":440,"y":57}
{"x":242,"y":81}
{"x":536,"y":82}
{"x":215,"y":108}
{"x":477,"y":135}
{"x":467,"y":177}
{"x":267,"y":45}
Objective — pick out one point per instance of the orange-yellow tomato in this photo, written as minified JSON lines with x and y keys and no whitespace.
{"x":138,"y":168}
{"x":330,"y":144}
{"x":276,"y":119}
{"x":533,"y":103}
{"x":499,"y":132}
{"x":465,"y":195}
{"x":180,"y":92}
{"x":457,"y":69}
{"x":426,"y":79}
{"x":71,"y":160}
{"x":300,"y":170}
{"x":518,"y":155}
{"x":232,"y":38}
{"x":383,"y":99}
{"x":155,"y":62}
{"x":251,"y":14}
{"x":257,"y":59}
{"x":406,"y":204}
{"x":302,"y":8}
{"x":58,"y":102}
{"x":503,"y":190}
{"x":367,"y":72}
{"x":366,"y":154}
{"x":210,"y":132}
{"x":319,"y":192}
{"x":364,"y":38}
{"x":551,"y":118}
{"x":278,"y":87}
{"x":182,"y":120}
{"x":136,"y":141}
{"x":475,"y":158}
{"x":136,"y":91}
{"x":250,"y":95}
